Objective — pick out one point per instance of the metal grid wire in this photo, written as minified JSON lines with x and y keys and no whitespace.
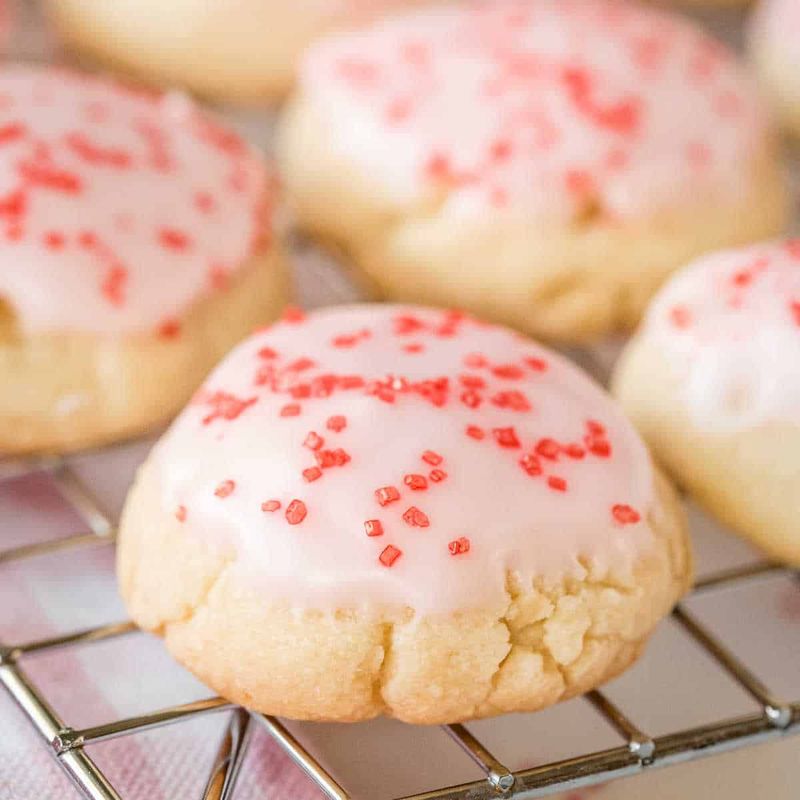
{"x":641,"y":751}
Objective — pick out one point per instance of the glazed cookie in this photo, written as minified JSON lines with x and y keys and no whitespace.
{"x":136,"y":249}
{"x":400,"y":511}
{"x":713,"y":382}
{"x":775,"y":46}
{"x":540,"y":162}
{"x":237,"y":50}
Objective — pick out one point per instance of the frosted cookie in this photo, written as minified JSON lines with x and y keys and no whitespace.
{"x":712,"y":380}
{"x":135,"y":249}
{"x":542,"y":163}
{"x":401,"y":511}
{"x":775,"y":47}
{"x":238,"y":50}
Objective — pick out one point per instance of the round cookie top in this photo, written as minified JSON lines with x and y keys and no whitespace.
{"x":729,"y":325}
{"x":386,"y":455}
{"x":560,"y":108}
{"x":118,"y":208}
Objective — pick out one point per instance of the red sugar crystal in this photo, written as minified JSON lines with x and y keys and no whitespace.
{"x":290,"y":410}
{"x":54,"y":240}
{"x":795,"y":308}
{"x":598,"y":447}
{"x":437,"y":475}
{"x":475,"y":432}
{"x":559,"y":484}
{"x":313,"y":441}
{"x":415,"y":482}
{"x":336,"y":424}
{"x":296,"y":512}
{"x":575,"y":451}
{"x":416,"y":518}
{"x":414,"y":347}
{"x":531,"y":465}
{"x":508,"y":372}
{"x":271,"y":505}
{"x":169,"y":329}
{"x":180,"y":513}
{"x":475,"y":361}
{"x":300,"y":365}
{"x":267,"y":352}
{"x":293,"y":315}
{"x":312,"y":473}
{"x":173,"y":239}
{"x":373,"y":527}
{"x":506,"y":437}
{"x":386,"y":495}
{"x":625,"y":515}
{"x":536,"y":364}
{"x":459,"y":546}
{"x":513,"y":400}
{"x":225,"y":488}
{"x":434,"y":459}
{"x":389,"y":555}
{"x":680,"y":317}
{"x":471,"y":399}
{"x":595,"y":428}
{"x":548,"y":448}
{"x":472,"y":382}
{"x":341,"y":457}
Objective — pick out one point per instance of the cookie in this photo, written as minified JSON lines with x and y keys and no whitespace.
{"x":137,"y":248}
{"x":231,"y":50}
{"x":401,"y":511}
{"x":712,"y":381}
{"x":541,"y":163}
{"x":774,"y":36}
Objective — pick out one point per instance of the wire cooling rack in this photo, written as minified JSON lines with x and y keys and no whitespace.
{"x":777,"y":716}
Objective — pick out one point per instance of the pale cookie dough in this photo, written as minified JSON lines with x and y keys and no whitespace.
{"x":542,"y":163}
{"x":136,"y":248}
{"x":775,"y":48}
{"x":401,"y":511}
{"x":712,"y":380}
{"x":231,"y":50}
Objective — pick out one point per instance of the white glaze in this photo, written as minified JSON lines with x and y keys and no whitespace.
{"x":513,"y":520}
{"x":729,"y":327}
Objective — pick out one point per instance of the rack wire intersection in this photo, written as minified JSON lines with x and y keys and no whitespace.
{"x":641,"y":751}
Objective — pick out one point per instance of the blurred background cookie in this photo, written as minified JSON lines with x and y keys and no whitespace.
{"x":541,"y":163}
{"x":712,"y":381}
{"x":441,"y":521}
{"x":775,"y":47}
{"x":137,"y":248}
{"x":229,"y":50}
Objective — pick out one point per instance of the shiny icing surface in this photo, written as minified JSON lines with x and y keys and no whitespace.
{"x":729,"y":326}
{"x":398,"y":456}
{"x":777,"y":23}
{"x":560,"y":108}
{"x":118,"y":208}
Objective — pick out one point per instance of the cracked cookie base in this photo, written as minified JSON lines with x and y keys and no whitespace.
{"x":568,"y":283}
{"x":547,"y":642}
{"x":73,"y":391}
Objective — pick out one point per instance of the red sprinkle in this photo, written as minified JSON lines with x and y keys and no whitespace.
{"x":312,"y":473}
{"x":625,"y":515}
{"x":389,"y":555}
{"x":598,"y":447}
{"x":290,"y":410}
{"x":459,"y":546}
{"x":416,"y":518}
{"x":313,"y":441}
{"x":173,"y":239}
{"x":225,"y":489}
{"x":595,"y":428}
{"x":475,"y":432}
{"x":386,"y":495}
{"x":680,"y":317}
{"x":548,"y":448}
{"x":169,"y":329}
{"x":271,"y":505}
{"x":531,"y":465}
{"x":415,"y":482}
{"x":437,"y":475}
{"x":54,"y":240}
{"x":471,"y":399}
{"x":434,"y":459}
{"x":180,"y":513}
{"x":508,"y":372}
{"x":506,"y":437}
{"x":293,"y":314}
{"x":336,"y":424}
{"x":296,"y":512}
{"x":267,"y":353}
{"x":575,"y":451}
{"x":475,"y":361}
{"x":373,"y":527}
{"x":559,"y":484}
